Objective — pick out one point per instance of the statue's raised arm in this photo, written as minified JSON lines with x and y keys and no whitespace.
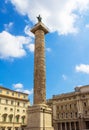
{"x":39,"y":18}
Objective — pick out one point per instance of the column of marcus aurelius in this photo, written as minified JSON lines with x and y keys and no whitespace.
{"x":39,"y":31}
{"x":39,"y":115}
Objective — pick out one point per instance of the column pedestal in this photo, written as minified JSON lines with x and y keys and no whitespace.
{"x":40,"y":118}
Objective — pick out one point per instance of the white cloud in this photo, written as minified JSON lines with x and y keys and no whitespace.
{"x":87,"y":26}
{"x":8,"y":26}
{"x":31,"y":47}
{"x":30,"y":92}
{"x":61,"y":16}
{"x":64,"y":77}
{"x":82,"y":68}
{"x":18,"y":86}
{"x":27,"y":31}
{"x":12,"y":46}
{"x":48,"y":49}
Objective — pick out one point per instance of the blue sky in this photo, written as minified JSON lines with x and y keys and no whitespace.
{"x":67,"y":44}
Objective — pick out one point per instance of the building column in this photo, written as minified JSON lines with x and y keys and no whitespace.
{"x":70,"y":125}
{"x":60,"y":126}
{"x":75,"y":125}
{"x":81,"y":124}
{"x":65,"y":126}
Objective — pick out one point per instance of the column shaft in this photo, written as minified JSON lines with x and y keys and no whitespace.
{"x":39,"y":69}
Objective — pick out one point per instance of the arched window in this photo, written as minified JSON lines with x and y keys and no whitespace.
{"x":4,"y":117}
{"x":17,"y":118}
{"x":10,"y":118}
{"x":23,"y":119}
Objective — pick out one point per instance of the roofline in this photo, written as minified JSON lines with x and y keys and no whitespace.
{"x":13,"y":90}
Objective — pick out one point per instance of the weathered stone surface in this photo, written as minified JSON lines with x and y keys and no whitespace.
{"x":39,"y":64}
{"x":40,"y":117}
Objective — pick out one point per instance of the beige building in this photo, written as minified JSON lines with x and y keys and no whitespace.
{"x":71,"y":110}
{"x":13,"y":109}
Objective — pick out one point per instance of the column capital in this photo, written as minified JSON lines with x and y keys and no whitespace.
{"x":40,"y":26}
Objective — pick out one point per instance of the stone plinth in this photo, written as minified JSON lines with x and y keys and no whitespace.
{"x":40,"y":118}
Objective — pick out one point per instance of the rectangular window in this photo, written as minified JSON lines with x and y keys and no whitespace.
{"x":24,"y":104}
{"x":0,"y":91}
{"x":18,"y":103}
{"x":12,"y":102}
{"x":6,"y":101}
{"x":0,"y":100}
{"x":76,"y":114}
{"x":7,"y":92}
{"x":24,"y":96}
{"x":12,"y":94}
{"x":66,"y":115}
{"x":18,"y":94}
{"x":85,"y":104}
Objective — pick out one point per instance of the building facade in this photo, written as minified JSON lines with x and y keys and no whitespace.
{"x":13,"y":109}
{"x":71,"y":110}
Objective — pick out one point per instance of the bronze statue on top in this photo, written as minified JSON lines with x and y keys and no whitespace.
{"x":39,"y":18}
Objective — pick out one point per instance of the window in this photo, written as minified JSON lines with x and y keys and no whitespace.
{"x":0,"y":91}
{"x":85,"y":112}
{"x":61,"y":107}
{"x":17,"y":118}
{"x":9,"y":128}
{"x":24,"y":96}
{"x":71,"y":114}
{"x":75,"y":114}
{"x":17,"y":110}
{"x":7,"y":92}
{"x":18,"y":103}
{"x":24,"y":104}
{"x":16,"y":128}
{"x":57,"y":115}
{"x":66,"y":115}
{"x":57,"y":107}
{"x":74,"y":105}
{"x":10,"y":118}
{"x":13,"y":94}
{"x":18,"y":94}
{"x":70,"y":106}
{"x":23,"y":119}
{"x":12,"y":102}
{"x":4,"y":117}
{"x":62,"y":115}
{"x":85,"y":104}
{"x":65,"y":106}
{"x":23,"y":110}
{"x":83,"y":96}
{"x":6,"y":101}
{"x":11,"y":109}
{"x":5,"y":108}
{"x":0,"y":100}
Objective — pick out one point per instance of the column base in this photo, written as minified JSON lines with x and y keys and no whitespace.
{"x":39,"y":118}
